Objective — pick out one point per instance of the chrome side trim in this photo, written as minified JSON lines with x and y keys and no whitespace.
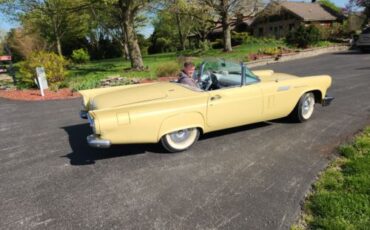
{"x":95,"y":142}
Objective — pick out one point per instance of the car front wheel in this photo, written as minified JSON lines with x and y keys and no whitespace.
{"x":180,"y":140}
{"x":305,"y":107}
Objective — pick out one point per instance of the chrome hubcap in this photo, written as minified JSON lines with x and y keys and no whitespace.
{"x":180,"y":135}
{"x":307,"y":106}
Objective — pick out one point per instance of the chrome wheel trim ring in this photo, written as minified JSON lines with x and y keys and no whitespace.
{"x":181,"y":139}
{"x":308,"y":106}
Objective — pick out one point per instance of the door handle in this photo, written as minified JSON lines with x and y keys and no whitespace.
{"x":216,"y":97}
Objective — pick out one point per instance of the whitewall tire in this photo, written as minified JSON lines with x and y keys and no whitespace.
{"x":305,"y":107}
{"x":180,"y":140}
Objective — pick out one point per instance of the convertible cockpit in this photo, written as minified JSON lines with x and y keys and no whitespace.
{"x":218,"y":73}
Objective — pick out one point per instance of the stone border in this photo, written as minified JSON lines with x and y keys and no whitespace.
{"x":297,"y":55}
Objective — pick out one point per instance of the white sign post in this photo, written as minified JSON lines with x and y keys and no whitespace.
{"x":42,"y":82}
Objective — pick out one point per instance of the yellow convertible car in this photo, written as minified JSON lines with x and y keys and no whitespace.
{"x":229,"y":95}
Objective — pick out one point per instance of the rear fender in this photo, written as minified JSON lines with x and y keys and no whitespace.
{"x":181,"y":121}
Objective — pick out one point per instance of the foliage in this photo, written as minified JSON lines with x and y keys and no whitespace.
{"x":54,"y":68}
{"x":365,"y":4}
{"x":239,"y":38}
{"x":270,"y":51}
{"x":51,"y":18}
{"x":303,"y":36}
{"x":168,"y":69}
{"x":329,"y":4}
{"x":227,"y":9}
{"x":23,"y":43}
{"x":341,"y":198}
{"x":89,"y":75}
{"x":80,"y":56}
{"x":176,"y":21}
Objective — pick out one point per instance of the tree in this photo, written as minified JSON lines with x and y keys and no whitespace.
{"x":330,"y":5}
{"x":23,"y":43}
{"x":181,"y":13}
{"x":225,"y":10}
{"x":128,"y":11}
{"x":361,"y":3}
{"x":55,"y":20}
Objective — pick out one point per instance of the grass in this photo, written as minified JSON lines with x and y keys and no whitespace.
{"x":89,"y":75}
{"x":341,"y":196}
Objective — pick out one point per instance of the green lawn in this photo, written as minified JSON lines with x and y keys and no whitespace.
{"x":88,"y":75}
{"x":341,"y":197}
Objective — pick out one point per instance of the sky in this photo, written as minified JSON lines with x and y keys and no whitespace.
{"x":6,"y":25}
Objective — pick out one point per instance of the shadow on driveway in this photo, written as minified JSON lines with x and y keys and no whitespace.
{"x":350,"y":52}
{"x":83,"y":154}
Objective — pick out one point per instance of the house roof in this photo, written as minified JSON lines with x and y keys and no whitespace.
{"x":308,"y":11}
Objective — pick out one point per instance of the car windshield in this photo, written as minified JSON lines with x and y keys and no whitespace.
{"x":227,"y":73}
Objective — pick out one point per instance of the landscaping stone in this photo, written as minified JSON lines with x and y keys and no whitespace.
{"x":115,"y":81}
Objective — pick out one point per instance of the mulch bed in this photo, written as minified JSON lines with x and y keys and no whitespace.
{"x":61,"y":94}
{"x":35,"y":95}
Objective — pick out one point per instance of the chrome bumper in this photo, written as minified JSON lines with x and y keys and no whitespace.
{"x":83,"y":114}
{"x":96,"y":142}
{"x":326,"y":101}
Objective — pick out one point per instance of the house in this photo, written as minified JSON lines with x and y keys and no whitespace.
{"x":279,"y":18}
{"x":239,"y":23}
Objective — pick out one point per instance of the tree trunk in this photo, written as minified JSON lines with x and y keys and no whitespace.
{"x":226,"y":32}
{"x":57,"y":37}
{"x":125,"y":53}
{"x":181,"y":37}
{"x":59,"y":46}
{"x":224,"y":5}
{"x":132,"y":42}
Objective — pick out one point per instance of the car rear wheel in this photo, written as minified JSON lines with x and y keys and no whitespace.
{"x":305,"y":107}
{"x":180,"y":140}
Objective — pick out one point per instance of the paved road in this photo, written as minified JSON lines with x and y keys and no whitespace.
{"x":252,"y":177}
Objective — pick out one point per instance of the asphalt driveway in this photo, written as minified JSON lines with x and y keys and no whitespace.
{"x":252,"y":177}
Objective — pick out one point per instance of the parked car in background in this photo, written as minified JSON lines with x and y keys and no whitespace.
{"x":363,"y":41}
{"x":174,"y":114}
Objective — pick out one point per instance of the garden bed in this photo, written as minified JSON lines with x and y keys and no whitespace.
{"x":35,"y":95}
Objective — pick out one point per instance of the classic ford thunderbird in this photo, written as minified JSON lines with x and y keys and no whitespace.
{"x":229,"y":95}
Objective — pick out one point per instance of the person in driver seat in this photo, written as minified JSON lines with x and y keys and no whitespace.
{"x":186,"y":75}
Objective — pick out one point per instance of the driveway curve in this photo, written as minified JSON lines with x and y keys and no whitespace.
{"x":251,"y":177}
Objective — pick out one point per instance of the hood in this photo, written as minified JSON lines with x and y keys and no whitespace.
{"x":270,"y":75}
{"x":128,"y":96}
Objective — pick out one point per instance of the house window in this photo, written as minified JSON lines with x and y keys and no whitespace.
{"x":291,"y":26}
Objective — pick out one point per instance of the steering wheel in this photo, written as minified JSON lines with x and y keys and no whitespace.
{"x":209,"y":82}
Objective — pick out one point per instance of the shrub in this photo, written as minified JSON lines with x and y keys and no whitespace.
{"x":167,"y":69}
{"x":304,"y":36}
{"x":270,"y":50}
{"x":80,"y":56}
{"x":205,"y":45}
{"x":217,"y":44}
{"x":239,"y":38}
{"x":54,"y":68}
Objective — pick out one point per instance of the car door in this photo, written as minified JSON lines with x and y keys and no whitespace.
{"x":229,"y":107}
{"x":280,"y":97}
